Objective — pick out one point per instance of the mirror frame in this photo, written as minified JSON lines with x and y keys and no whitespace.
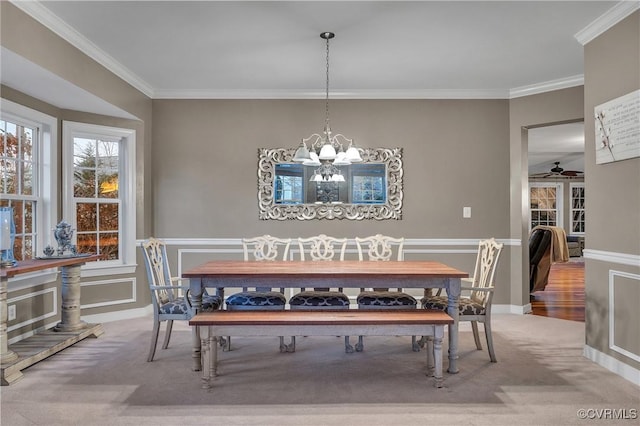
{"x":391,"y":209}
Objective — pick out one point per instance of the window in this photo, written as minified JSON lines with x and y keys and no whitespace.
{"x":28,"y":166}
{"x":99,"y":192}
{"x":577,"y":208}
{"x":545,"y":201}
{"x":288,"y":184}
{"x":368,"y":185}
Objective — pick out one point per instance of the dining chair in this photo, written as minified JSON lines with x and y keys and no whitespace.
{"x":476,"y":307}
{"x":382,"y":248}
{"x":320,"y":248}
{"x":264,"y":248}
{"x":170,"y":300}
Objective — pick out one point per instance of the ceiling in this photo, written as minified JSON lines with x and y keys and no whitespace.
{"x":272,"y":49}
{"x":382,"y":49}
{"x":563,"y":143}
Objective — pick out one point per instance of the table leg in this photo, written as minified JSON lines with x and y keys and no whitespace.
{"x":6,"y":355}
{"x":70,"y":289}
{"x":453,"y":296}
{"x":195,"y":294}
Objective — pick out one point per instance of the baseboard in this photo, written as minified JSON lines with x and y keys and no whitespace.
{"x":511,"y":309}
{"x":118,"y":315}
{"x":610,"y":363}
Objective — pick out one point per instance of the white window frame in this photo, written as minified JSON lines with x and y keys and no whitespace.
{"x":559,"y":200}
{"x":572,"y":209}
{"x":45,"y":180}
{"x":126,"y":264}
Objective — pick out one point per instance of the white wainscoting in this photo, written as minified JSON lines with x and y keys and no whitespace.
{"x":52,"y":312}
{"x":605,"y":360}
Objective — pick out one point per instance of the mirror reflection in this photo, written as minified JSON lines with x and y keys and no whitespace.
{"x":355,"y":184}
{"x":371,"y":189}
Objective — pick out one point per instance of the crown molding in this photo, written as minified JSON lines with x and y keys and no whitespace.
{"x":610,"y":18}
{"x":548,"y":86}
{"x":43,"y":15}
{"x":346,"y":94}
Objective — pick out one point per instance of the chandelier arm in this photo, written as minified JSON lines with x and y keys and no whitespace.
{"x":343,"y":137}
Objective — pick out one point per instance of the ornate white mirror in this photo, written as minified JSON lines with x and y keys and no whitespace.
{"x":371,"y":189}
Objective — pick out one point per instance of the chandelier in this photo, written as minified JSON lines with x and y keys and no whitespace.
{"x":326,"y":151}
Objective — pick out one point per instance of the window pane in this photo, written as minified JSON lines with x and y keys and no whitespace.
{"x":109,"y":245}
{"x":9,"y":177}
{"x":84,"y":183}
{"x":87,"y":243}
{"x":108,"y":217}
{"x":87,"y":217}
{"x":27,"y":178}
{"x":26,"y":144}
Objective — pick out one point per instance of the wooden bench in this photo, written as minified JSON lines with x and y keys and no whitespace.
{"x":319,"y":323}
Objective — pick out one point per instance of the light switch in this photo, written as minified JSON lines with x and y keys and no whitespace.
{"x":466,"y":212}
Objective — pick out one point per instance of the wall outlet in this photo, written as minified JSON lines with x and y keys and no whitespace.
{"x":466,"y":212}
{"x":11,"y":312}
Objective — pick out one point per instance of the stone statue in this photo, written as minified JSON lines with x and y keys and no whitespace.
{"x":63,"y":234}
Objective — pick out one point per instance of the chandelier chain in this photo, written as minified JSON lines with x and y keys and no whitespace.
{"x":327,"y":90}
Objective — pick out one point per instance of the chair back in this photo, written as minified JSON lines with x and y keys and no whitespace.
{"x":484,"y":273}
{"x":322,"y":248}
{"x":265,"y":248}
{"x":154,"y":253}
{"x":380,"y":248}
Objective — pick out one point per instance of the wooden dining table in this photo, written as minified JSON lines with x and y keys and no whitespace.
{"x":221,"y":274}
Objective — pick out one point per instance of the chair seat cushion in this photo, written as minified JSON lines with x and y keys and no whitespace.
{"x":211,"y":302}
{"x":179,"y":306}
{"x":328,"y":299}
{"x":465,"y":307}
{"x":385,"y":299}
{"x":257,"y":299}
{"x":176,"y":307}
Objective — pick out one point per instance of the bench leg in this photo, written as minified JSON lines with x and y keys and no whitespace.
{"x":213,"y":359}
{"x":437,"y":354}
{"x":430,"y":355}
{"x":205,"y":353}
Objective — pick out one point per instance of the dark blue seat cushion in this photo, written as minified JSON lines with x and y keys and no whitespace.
{"x":319,"y":299}
{"x":175,"y":307}
{"x":179,"y":306}
{"x":388,"y":299}
{"x":211,"y":302}
{"x":465,"y":307}
{"x":256,"y":299}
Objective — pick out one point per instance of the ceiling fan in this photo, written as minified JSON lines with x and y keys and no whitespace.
{"x":558,"y":172}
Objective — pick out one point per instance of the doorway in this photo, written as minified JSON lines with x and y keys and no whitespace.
{"x":557,"y":198}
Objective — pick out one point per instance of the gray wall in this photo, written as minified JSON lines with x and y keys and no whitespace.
{"x":612,"y":69}
{"x":205,"y":156}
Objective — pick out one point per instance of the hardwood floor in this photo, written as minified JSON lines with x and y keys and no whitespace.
{"x":564,"y":295}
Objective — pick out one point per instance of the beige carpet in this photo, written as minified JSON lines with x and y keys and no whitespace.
{"x":541,"y":378}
